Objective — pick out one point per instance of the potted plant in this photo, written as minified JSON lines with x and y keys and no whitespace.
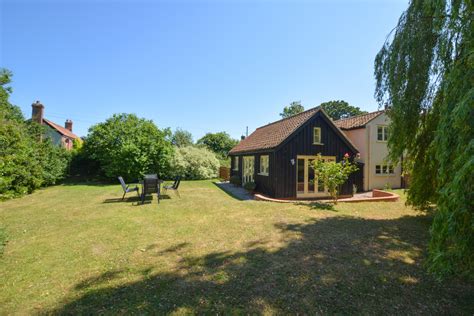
{"x":250,"y":186}
{"x":235,"y":180}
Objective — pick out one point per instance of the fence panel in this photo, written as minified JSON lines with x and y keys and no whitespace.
{"x":224,"y":173}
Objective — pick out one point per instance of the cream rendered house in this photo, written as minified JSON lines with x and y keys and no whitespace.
{"x":369,"y":133}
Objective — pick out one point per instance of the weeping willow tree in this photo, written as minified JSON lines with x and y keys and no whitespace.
{"x":425,"y":71}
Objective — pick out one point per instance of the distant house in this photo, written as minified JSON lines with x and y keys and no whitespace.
{"x":369,"y":132}
{"x":277,"y":156}
{"x":61,"y":136}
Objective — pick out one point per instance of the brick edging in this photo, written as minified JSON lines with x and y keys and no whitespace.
{"x":377,"y":196}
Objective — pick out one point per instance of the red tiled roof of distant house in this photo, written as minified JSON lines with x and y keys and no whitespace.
{"x":357,"y":121}
{"x":61,"y":130}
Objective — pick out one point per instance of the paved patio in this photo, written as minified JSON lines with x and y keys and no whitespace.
{"x":235,"y":191}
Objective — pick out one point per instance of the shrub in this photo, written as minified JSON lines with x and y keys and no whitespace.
{"x":235,"y":180}
{"x":128,"y":146}
{"x":25,"y":162}
{"x":250,"y":186}
{"x":55,"y":162}
{"x":333,"y":174}
{"x":82,"y":165}
{"x":20,"y":169}
{"x":194,"y":163}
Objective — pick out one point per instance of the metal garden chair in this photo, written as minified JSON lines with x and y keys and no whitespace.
{"x":126,"y":188}
{"x":174,"y":186}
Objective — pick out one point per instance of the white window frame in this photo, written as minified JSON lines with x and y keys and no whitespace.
{"x":235,"y":167}
{"x":317,"y":141}
{"x":266,"y":168}
{"x":385,"y":170}
{"x":306,"y":193}
{"x":384,"y":133}
{"x":248,"y":169}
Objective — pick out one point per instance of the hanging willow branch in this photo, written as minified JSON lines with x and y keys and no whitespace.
{"x":425,"y":72}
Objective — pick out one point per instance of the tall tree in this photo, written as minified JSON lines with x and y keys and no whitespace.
{"x":294,"y":108}
{"x":425,"y":70}
{"x":340,"y":109}
{"x":182,"y":138}
{"x":129,"y":146}
{"x":8,"y":110}
{"x":25,"y":163}
{"x":220,"y":143}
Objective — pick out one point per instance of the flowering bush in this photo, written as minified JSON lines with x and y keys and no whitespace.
{"x":194,"y":163}
{"x":333,"y":174}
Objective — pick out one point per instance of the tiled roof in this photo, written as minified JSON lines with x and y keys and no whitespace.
{"x":357,"y":121}
{"x":60,"y":129}
{"x":271,"y":135}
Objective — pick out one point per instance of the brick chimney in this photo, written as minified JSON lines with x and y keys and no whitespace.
{"x":68,"y":125}
{"x":38,"y":112}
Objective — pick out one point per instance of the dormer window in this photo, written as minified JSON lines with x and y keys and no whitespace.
{"x":317,"y":136}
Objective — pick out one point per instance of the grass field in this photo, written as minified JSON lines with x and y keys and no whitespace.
{"x":78,"y":249}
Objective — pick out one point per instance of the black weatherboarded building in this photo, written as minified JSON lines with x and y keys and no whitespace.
{"x":277,"y":156}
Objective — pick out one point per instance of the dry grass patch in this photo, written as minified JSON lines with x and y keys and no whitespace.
{"x":77,"y":249}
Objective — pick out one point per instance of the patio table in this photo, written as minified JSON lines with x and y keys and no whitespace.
{"x":151,"y":184}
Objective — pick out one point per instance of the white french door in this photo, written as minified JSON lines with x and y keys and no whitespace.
{"x":307,"y":184}
{"x":248,"y":166}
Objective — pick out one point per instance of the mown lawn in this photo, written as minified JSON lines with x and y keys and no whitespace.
{"x":77,"y":249}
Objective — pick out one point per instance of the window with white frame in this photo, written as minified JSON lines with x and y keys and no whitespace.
{"x":384,"y":169}
{"x":382,"y":133}
{"x":264,"y":165}
{"x":317,"y":135}
{"x":236,"y":163}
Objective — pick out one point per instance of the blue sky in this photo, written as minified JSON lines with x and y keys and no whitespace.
{"x":204,"y":66}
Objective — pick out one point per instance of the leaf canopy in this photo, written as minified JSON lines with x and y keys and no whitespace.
{"x":425,"y":71}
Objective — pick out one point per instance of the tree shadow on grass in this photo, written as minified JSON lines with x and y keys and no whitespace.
{"x":334,"y":265}
{"x":172,"y":249}
{"x":73,"y":181}
{"x":93,"y":281}
{"x":318,"y":205}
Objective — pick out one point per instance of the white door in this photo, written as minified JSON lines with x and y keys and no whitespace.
{"x":248,"y":169}
{"x":307,"y":184}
